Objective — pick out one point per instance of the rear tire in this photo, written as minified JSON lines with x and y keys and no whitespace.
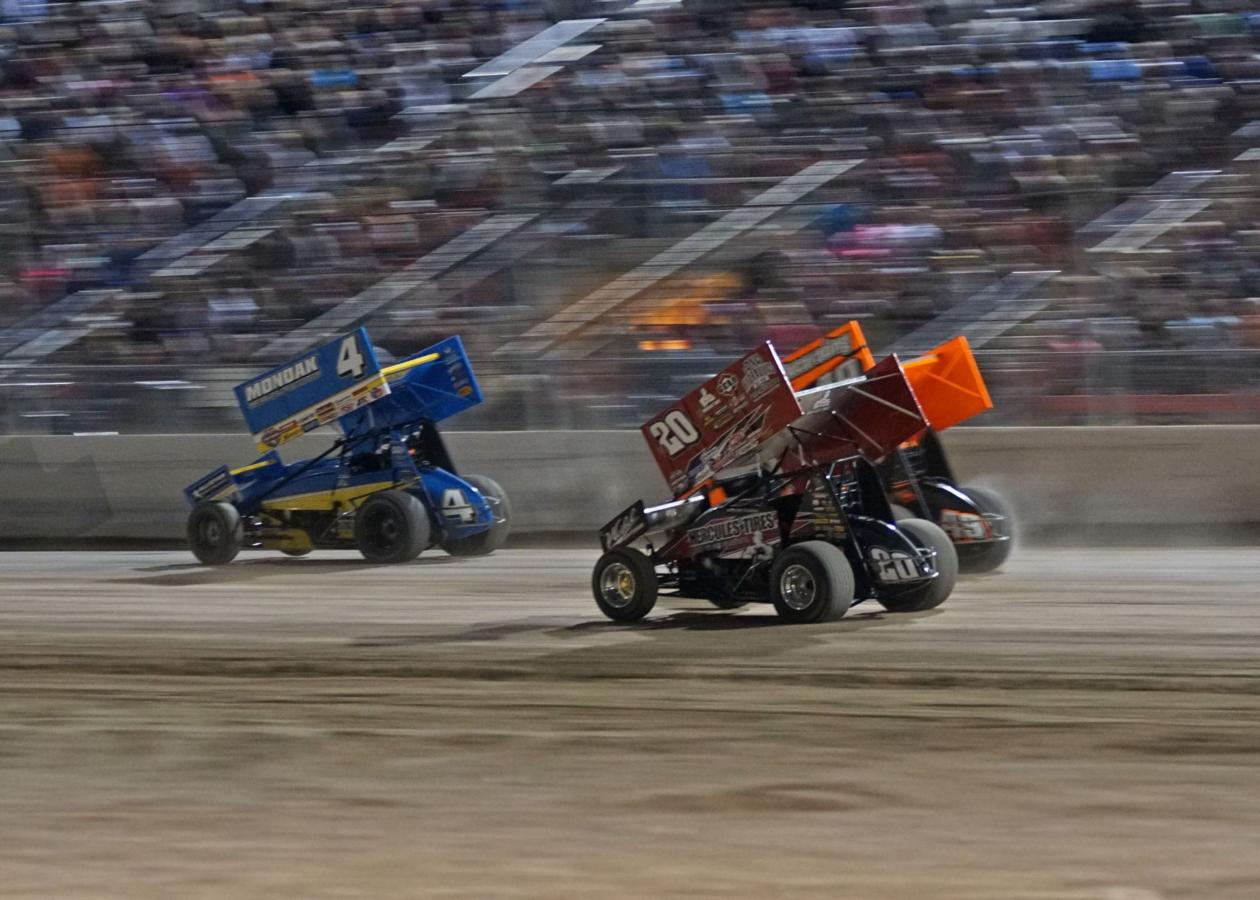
{"x":391,"y":527}
{"x":484,"y":542}
{"x":215,"y":532}
{"x":624,"y":584}
{"x":977,"y":558}
{"x":936,"y":591}
{"x":811,"y":582}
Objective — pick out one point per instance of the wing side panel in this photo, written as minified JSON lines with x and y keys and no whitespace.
{"x":948,"y":383}
{"x":871,"y":416}
{"x":723,"y":421}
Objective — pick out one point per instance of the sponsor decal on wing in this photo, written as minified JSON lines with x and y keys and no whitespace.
{"x":722,"y":421}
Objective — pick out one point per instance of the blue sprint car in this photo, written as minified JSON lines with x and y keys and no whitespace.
{"x":387,"y":486}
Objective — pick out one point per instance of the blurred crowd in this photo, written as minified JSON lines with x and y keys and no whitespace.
{"x":993,"y":137}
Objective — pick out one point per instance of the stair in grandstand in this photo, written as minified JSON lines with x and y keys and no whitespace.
{"x":53,"y":328}
{"x":62,"y":323}
{"x":1027,"y":312}
{"x":556,"y":335}
{"x":986,"y":315}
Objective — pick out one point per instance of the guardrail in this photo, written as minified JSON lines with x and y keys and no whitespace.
{"x":129,"y":486}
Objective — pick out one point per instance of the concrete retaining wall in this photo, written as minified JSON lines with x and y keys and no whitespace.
{"x":129,"y":486}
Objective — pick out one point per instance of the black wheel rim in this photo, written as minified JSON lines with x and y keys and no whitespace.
{"x":210,"y":532}
{"x":383,"y":530}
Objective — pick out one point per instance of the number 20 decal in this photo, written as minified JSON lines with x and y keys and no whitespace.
{"x":893,"y":566}
{"x":674,"y":432}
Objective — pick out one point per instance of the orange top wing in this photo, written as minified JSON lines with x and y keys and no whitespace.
{"x":947,"y":382}
{"x":946,"y":379}
{"x":805,"y":365}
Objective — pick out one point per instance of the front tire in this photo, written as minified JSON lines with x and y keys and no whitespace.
{"x":624,"y":584}
{"x":986,"y":557}
{"x":391,"y":527}
{"x":935,"y":592}
{"x":484,"y":542}
{"x":215,"y":533}
{"x":811,"y":582}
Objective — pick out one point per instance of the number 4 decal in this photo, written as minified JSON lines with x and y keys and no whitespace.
{"x":455,"y":505}
{"x":349,"y":359}
{"x":674,"y":432}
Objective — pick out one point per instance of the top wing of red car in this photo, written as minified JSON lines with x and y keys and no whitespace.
{"x":871,"y":415}
{"x":747,"y":414}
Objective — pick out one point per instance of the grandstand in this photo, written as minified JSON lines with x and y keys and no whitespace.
{"x":605,"y":198}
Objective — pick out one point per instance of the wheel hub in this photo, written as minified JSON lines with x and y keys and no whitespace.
{"x":797,"y":587}
{"x":616,"y":585}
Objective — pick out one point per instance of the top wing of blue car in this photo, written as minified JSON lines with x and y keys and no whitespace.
{"x":432,"y":385}
{"x":342,"y":382}
{"x":313,"y":389}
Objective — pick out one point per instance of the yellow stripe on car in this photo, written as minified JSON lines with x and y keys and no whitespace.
{"x":252,"y":466}
{"x":295,"y":540}
{"x":325,"y":500}
{"x":399,"y":368}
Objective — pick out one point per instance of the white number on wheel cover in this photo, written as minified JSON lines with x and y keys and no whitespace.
{"x":963,"y":526}
{"x":893,"y":566}
{"x":455,"y":505}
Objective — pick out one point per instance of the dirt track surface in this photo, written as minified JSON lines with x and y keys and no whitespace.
{"x":1085,"y":725}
